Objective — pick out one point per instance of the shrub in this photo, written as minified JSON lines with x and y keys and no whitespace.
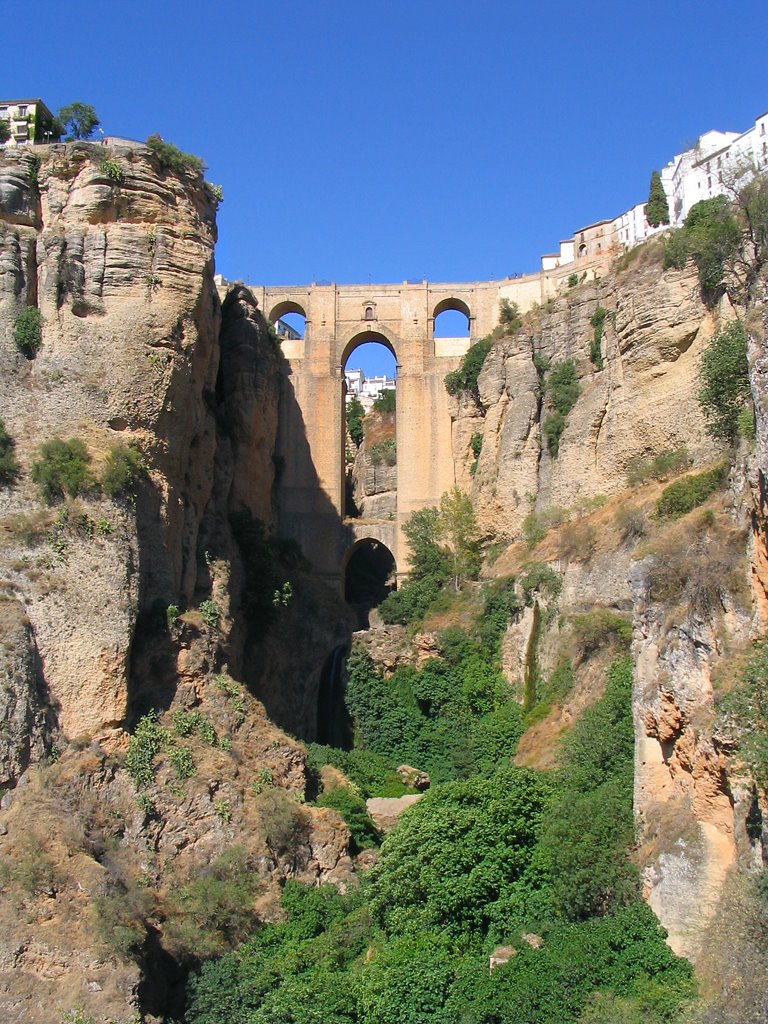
{"x":537,"y":525}
{"x":62,"y":469}
{"x":631,"y":522}
{"x":724,"y":392}
{"x":122,"y":470}
{"x":384,"y":452}
{"x":562,"y":388}
{"x":539,"y":578}
{"x":351,"y":807}
{"x":509,"y":316}
{"x":577,"y":541}
{"x":147,"y":741}
{"x":665,"y":464}
{"x":700,"y":572}
{"x":9,"y":467}
{"x":600,"y":628}
{"x":182,"y":762}
{"x":686,"y":494}
{"x":464,"y":379}
{"x":216,"y":192}
{"x":171,"y":158}
{"x":284,"y":822}
{"x":209,"y":613}
{"x":111,"y":169}
{"x":573,"y":280}
{"x":676,"y":250}
{"x":28,"y":331}
{"x":595,"y":349}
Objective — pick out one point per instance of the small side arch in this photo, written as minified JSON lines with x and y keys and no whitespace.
{"x":369,"y":574}
{"x":457,"y":305}
{"x":286,"y":306}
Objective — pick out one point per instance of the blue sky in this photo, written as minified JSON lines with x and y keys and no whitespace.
{"x":358,"y":140}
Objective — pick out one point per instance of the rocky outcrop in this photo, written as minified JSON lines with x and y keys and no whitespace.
{"x":641,"y":402}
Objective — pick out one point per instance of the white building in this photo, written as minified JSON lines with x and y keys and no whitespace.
{"x":367,"y":389}
{"x":28,"y":121}
{"x":703,"y":172}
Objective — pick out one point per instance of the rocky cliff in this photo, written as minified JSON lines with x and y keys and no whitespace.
{"x":155,"y":598}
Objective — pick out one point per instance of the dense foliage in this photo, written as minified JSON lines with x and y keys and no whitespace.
{"x":355,"y":414}
{"x":171,"y":158}
{"x":562,"y":389}
{"x":61,"y":469}
{"x":686,"y":494}
{"x":28,"y":331}
{"x":724,"y":381}
{"x":79,"y":120}
{"x":475,"y":863}
{"x":464,"y":379}
{"x":444,"y":546}
{"x":122,"y":470}
{"x":386,"y":402}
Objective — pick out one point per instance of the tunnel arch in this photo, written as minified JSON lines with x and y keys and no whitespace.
{"x":369,"y":575}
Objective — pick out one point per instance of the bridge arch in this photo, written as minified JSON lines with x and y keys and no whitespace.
{"x":452,"y":303}
{"x":286,"y":306}
{"x":380,"y":336}
{"x":368,"y":574}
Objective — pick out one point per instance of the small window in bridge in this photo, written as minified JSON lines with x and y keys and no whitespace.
{"x":369,"y":313}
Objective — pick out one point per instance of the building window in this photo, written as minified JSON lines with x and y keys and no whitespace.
{"x":23,"y":110}
{"x":368,"y":313}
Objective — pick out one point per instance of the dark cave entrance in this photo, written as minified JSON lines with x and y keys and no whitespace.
{"x":368,"y":578}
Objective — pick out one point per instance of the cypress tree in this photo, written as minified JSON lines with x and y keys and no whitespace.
{"x":657,"y":210}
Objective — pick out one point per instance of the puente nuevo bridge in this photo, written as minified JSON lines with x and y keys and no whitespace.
{"x":312,"y":431}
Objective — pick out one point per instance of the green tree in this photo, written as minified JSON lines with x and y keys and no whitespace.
{"x":724,"y":381}
{"x":562,"y":388}
{"x":457,"y":528}
{"x":657,"y":209}
{"x":5,"y":131}
{"x":464,"y":379}
{"x":355,"y":416}
{"x":78,"y":119}
{"x":122,"y":469}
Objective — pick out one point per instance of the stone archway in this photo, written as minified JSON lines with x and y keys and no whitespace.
{"x":369,"y":576}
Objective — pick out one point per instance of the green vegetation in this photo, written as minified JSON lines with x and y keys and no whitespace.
{"x":562,"y":389}
{"x":712,"y":237}
{"x":686,"y":494}
{"x":743,"y":713}
{"x":209,"y":613}
{"x":171,"y":158}
{"x":477,"y":862}
{"x":384,"y":452}
{"x":665,"y":464}
{"x":537,"y":525}
{"x":355,"y":416}
{"x":724,"y":392}
{"x":28,"y":331}
{"x":595,"y":349}
{"x":539,"y":578}
{"x":122,"y":470}
{"x":111,"y":169}
{"x":573,"y":280}
{"x":9,"y":467}
{"x":509,"y":316}
{"x":444,"y":546}
{"x":657,"y":208}
{"x":476,"y":445}
{"x":62,"y":469}
{"x":5,"y":131}
{"x":386,"y":402}
{"x":79,"y":120}
{"x":351,"y":807}
{"x":147,"y":741}
{"x":600,"y":628}
{"x":464,"y":379}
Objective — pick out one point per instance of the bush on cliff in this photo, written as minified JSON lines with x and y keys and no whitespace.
{"x":464,"y":379}
{"x":9,"y":467}
{"x":28,"y":331}
{"x":171,"y":158}
{"x":724,"y":391}
{"x":62,"y":469}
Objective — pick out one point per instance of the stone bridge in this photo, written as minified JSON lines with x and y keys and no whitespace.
{"x":311,"y":436}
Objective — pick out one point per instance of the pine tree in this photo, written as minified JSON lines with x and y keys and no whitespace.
{"x":657,"y":210}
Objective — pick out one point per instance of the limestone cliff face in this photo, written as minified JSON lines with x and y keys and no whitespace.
{"x":122,"y":276}
{"x":640,"y":403}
